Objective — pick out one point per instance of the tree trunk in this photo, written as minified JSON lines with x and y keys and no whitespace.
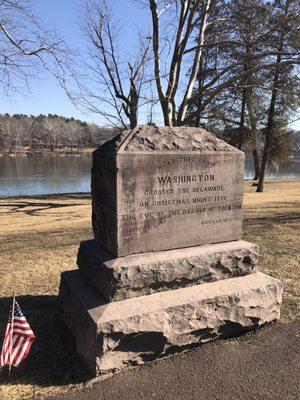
{"x":167,"y":112}
{"x":133,"y":118}
{"x":256,"y":162}
{"x":253,"y":124}
{"x":133,"y":106}
{"x":52,"y":144}
{"x":242,"y":120}
{"x":10,"y":145}
{"x":164,"y":102}
{"x":16,"y":146}
{"x":270,"y":124}
{"x":269,"y":135}
{"x":196,"y":64}
{"x":200,"y":93}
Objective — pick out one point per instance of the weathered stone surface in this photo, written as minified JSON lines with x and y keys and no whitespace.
{"x":111,"y":336}
{"x":166,"y":138}
{"x":160,"y":188}
{"x":143,"y":274}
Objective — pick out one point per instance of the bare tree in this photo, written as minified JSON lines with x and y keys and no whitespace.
{"x":26,"y":48}
{"x":236,"y":52}
{"x":74,"y":135}
{"x":185,"y":33}
{"x":286,"y":12}
{"x":190,"y":17}
{"x":112,"y":83}
{"x":192,"y":22}
{"x":14,"y":131}
{"x":52,"y":127}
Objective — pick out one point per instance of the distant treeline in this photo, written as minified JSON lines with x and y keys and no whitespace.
{"x":53,"y":133}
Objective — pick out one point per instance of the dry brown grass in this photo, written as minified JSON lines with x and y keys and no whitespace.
{"x":272,"y":220}
{"x":39,"y":239}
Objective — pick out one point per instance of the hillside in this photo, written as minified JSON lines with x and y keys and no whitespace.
{"x":37,"y":134}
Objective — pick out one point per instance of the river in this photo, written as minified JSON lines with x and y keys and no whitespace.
{"x":36,"y":175}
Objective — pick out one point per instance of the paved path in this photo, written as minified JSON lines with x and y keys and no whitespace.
{"x":261,"y":366}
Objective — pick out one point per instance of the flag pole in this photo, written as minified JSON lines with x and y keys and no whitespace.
{"x":11,"y":332}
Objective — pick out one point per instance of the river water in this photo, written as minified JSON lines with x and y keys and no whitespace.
{"x":36,"y":175}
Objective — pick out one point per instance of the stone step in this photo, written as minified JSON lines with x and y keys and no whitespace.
{"x":112,"y":336}
{"x":143,"y":274}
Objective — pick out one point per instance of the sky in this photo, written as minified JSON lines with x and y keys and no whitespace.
{"x":46,"y":96}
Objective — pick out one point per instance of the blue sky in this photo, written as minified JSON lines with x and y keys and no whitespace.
{"x":45,"y":95}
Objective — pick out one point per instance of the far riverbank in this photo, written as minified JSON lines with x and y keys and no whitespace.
{"x":47,"y":152}
{"x":59,"y":172}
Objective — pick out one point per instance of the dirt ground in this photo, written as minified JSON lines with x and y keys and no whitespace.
{"x":39,"y":238}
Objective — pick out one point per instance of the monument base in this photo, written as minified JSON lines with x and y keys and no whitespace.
{"x":113,"y":335}
{"x":142,"y":274}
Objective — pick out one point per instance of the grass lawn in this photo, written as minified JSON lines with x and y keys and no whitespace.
{"x":39,"y":238}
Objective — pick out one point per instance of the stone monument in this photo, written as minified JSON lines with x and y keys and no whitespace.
{"x":167,"y":268}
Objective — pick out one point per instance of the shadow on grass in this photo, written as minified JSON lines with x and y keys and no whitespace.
{"x":287,"y":218}
{"x":53,"y":359}
{"x":51,"y":196}
{"x":21,"y":205}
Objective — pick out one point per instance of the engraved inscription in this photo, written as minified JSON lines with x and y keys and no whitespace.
{"x":164,"y":180}
{"x":184,"y":192}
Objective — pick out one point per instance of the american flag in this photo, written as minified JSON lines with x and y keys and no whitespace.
{"x":18,"y":338}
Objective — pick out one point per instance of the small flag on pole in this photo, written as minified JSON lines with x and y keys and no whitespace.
{"x":18,"y":338}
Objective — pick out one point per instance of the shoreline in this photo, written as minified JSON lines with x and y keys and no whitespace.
{"x":78,"y":194}
{"x":48,"y":153}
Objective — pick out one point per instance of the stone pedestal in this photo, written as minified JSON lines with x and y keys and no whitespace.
{"x":167,"y":268}
{"x":141,"y":274}
{"x":111,"y":336}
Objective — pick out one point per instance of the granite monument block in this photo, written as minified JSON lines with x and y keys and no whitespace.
{"x":150,"y":183}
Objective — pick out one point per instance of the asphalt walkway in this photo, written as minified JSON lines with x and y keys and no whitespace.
{"x":258,"y":366}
